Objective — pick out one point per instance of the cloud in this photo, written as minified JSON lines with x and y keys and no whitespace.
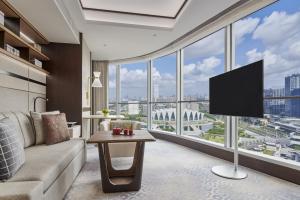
{"x":274,"y":63}
{"x":278,"y":28}
{"x":202,"y":70}
{"x":166,"y":82}
{"x":112,"y":76}
{"x":214,"y":44}
{"x":244,"y":27}
{"x":196,"y":76}
{"x":280,"y":35}
{"x":211,"y":45}
{"x":136,"y":78}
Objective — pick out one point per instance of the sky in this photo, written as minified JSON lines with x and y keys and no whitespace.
{"x":272,"y":34}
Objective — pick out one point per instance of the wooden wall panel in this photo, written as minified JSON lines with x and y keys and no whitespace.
{"x":64,"y":84}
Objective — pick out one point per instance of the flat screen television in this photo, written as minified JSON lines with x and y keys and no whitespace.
{"x":238,"y":92}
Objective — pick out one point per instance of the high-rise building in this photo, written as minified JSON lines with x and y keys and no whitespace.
{"x":292,"y":85}
{"x":133,"y":108}
{"x":295,"y":103}
{"x":274,"y":106}
{"x":156,"y":91}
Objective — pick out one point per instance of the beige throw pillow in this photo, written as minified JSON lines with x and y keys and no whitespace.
{"x":40,"y":133}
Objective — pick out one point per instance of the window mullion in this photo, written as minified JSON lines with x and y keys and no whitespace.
{"x":118,"y":89}
{"x":149,"y":94}
{"x":179,"y":91}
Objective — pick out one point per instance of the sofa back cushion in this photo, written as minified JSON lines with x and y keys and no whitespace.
{"x":12,"y":155}
{"x":124,"y":124}
{"x":23,"y":124}
{"x":38,"y":125}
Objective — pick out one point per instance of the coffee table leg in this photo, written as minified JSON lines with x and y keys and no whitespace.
{"x":107,"y":172}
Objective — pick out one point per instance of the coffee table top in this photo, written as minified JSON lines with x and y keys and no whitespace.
{"x":108,"y":137}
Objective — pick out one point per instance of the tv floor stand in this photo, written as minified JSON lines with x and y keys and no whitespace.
{"x":231,"y":172}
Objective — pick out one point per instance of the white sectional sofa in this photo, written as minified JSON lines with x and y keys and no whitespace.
{"x":49,"y":170}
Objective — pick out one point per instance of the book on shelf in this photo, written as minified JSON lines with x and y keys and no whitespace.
{"x":12,"y":50}
{"x":37,"y":62}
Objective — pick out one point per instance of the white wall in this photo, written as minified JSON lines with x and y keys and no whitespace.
{"x":86,"y":95}
{"x":86,"y":68}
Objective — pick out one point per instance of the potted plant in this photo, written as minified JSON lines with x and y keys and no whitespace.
{"x":105,"y":112}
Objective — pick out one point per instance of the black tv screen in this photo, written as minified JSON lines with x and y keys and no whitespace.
{"x":238,"y":92}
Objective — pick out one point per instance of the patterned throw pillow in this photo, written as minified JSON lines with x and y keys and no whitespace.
{"x":12,"y":155}
{"x":38,"y":125}
{"x":56,"y":128}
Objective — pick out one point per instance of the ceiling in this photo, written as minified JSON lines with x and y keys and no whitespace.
{"x":165,"y":8}
{"x":119,"y":35}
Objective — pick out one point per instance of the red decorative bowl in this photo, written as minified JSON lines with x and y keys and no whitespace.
{"x":117,"y":131}
{"x":126,"y":131}
{"x":130,"y":132}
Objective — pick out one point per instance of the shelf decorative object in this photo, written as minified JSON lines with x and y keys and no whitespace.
{"x":105,"y":112}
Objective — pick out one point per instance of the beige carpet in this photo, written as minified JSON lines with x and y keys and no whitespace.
{"x":173,"y":172}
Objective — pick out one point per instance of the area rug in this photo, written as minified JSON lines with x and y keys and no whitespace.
{"x":173,"y":172}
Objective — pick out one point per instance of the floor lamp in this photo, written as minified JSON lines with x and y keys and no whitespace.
{"x":231,"y":172}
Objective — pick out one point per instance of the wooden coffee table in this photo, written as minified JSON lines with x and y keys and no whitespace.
{"x":121,"y":180}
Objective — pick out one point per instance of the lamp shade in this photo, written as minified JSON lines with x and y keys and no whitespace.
{"x":97,"y":74}
{"x":97,"y":82}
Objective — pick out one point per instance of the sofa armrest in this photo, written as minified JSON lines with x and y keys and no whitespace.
{"x":75,"y":131}
{"x":136,"y":125}
{"x":104,"y":125}
{"x":27,"y":190}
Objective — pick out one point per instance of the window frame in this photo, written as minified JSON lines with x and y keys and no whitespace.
{"x":231,"y":128}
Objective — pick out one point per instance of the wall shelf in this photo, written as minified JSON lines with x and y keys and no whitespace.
{"x":25,"y":26}
{"x":14,"y":24}
{"x":16,"y":41}
{"x":4,"y":52}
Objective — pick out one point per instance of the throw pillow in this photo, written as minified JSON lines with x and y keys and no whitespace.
{"x":12,"y":155}
{"x":56,"y":128}
{"x":38,"y":125}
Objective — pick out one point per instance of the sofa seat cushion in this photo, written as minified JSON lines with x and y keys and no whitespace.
{"x":45,"y":163}
{"x":29,"y":190}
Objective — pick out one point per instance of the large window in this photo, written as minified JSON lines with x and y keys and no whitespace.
{"x":164,"y":96}
{"x":273,"y":34}
{"x":133,"y":94}
{"x":179,"y":101}
{"x":202,"y":60}
{"x":112,"y":93}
